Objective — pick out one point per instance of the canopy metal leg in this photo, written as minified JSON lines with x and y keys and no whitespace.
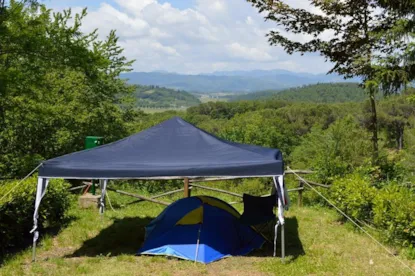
{"x":42,"y":184}
{"x":34,"y":251}
{"x":103,"y":184}
{"x":282,"y":243}
{"x":275,"y":238}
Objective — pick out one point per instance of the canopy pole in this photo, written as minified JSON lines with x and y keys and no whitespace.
{"x":285,"y":204}
{"x":282,"y":202}
{"x":186,"y":187}
{"x":103,"y":183}
{"x":282,"y":243}
{"x":42,"y":184}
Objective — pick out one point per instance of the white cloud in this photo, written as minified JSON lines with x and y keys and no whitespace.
{"x":249,"y":21}
{"x":212,"y":35}
{"x":239,"y":51}
{"x":135,"y":6}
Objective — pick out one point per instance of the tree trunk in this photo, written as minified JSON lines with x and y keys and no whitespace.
{"x":374,"y":128}
{"x":400,"y":137}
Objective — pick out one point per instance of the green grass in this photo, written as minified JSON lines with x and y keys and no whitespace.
{"x":317,"y":244}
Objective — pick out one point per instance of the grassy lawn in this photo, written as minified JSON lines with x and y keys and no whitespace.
{"x":317,"y":244}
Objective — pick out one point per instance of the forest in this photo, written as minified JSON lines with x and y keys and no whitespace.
{"x":316,"y":93}
{"x":59,"y":85}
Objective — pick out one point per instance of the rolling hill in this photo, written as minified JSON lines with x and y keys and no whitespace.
{"x":229,"y":81}
{"x":322,"y":93}
{"x":161,"y":97}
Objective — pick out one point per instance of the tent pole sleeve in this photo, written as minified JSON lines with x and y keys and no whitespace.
{"x":42,"y":184}
{"x":103,"y":184}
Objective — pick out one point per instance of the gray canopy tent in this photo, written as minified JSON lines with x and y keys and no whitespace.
{"x":173,"y":149}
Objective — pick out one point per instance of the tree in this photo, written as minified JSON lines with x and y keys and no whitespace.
{"x":57,"y":85}
{"x":394,"y":117}
{"x":366,"y":41}
{"x":333,"y":152}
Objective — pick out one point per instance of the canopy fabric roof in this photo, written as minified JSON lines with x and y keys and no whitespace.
{"x":173,"y":148}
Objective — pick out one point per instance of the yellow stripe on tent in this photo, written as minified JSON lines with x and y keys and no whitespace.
{"x":219,"y":204}
{"x":193,"y":217}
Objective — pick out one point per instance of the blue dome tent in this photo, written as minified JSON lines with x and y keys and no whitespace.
{"x":173,"y":149}
{"x":201,"y":228}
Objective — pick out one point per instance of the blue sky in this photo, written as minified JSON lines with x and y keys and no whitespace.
{"x":180,"y":4}
{"x":192,"y":36}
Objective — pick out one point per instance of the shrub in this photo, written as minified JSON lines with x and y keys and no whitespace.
{"x":254,"y":186}
{"x":148,"y":186}
{"x":335,"y":151}
{"x":394,"y":211}
{"x":16,"y":210}
{"x":354,"y":195}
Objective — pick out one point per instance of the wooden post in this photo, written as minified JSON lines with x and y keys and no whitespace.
{"x":300,"y":193}
{"x":186,"y":187}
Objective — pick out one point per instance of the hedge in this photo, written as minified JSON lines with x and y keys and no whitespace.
{"x":390,"y":208}
{"x":394,"y":211}
{"x":16,"y":210}
{"x":354,"y":195}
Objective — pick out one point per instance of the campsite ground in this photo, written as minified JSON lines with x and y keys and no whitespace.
{"x":317,"y":244}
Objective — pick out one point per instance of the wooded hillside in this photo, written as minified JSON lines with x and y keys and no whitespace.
{"x":154,"y":96}
{"x":317,"y":93}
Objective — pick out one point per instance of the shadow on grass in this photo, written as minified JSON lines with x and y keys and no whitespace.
{"x":293,"y":245}
{"x":124,"y":236}
{"x":8,"y":253}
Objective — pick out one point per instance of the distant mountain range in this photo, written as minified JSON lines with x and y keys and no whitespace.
{"x":230,"y":81}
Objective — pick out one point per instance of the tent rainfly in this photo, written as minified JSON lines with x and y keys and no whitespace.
{"x":202,"y":229}
{"x":173,"y":149}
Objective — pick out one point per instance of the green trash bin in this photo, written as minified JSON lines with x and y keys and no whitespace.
{"x":92,"y":142}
